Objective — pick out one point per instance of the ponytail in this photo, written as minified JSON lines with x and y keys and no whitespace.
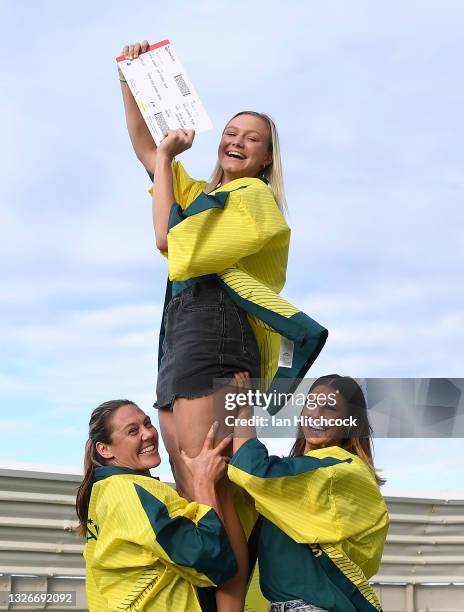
{"x":99,"y":431}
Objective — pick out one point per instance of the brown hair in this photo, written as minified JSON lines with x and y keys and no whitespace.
{"x":99,"y":431}
{"x":272,"y":173}
{"x":359,"y":444}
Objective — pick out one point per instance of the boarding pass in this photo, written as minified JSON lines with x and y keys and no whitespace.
{"x":163,"y":91}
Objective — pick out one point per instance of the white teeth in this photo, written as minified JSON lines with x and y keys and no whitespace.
{"x":235,"y":154}
{"x":147,"y":449}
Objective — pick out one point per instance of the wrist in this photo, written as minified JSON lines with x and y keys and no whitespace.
{"x":204,"y":489}
{"x":203,"y":482}
{"x":163,"y":157}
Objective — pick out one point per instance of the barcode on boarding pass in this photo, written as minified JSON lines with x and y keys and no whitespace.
{"x":161,"y":121}
{"x":182,"y":85}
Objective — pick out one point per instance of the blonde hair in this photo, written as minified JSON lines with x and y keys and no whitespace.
{"x":272,"y":173}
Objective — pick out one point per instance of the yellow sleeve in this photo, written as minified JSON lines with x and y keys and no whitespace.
{"x":186,"y":189}
{"x":140,"y":526}
{"x":219,"y":230}
{"x":313,"y":500}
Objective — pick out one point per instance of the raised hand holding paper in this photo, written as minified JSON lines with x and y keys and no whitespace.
{"x":163,"y":91}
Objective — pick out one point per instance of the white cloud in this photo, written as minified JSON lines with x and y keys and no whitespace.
{"x":369,"y":118}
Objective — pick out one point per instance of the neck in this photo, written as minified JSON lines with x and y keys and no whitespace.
{"x":309,"y":446}
{"x":226,"y":178}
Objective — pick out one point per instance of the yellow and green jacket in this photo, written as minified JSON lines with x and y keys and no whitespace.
{"x":149,"y":549}
{"x":322,"y":529}
{"x":238,"y":233}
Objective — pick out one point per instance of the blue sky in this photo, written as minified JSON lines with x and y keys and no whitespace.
{"x":368,"y":98}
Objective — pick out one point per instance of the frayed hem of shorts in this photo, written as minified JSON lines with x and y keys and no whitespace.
{"x":204,"y":393}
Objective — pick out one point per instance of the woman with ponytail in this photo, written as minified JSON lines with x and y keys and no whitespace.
{"x":323,"y":520}
{"x":148,"y":549}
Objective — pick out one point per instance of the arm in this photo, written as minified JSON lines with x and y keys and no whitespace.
{"x":174,"y":143}
{"x":142,"y":141}
{"x":313,"y":499}
{"x":143,"y":521}
{"x":207,"y":468}
{"x":162,"y":200}
{"x":191,"y":536}
{"x":204,"y":492}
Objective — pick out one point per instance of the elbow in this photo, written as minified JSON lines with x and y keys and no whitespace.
{"x":162,"y":244}
{"x":161,"y":239}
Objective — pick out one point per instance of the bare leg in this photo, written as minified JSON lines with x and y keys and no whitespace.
{"x":193,"y":418}
{"x":169,"y":435}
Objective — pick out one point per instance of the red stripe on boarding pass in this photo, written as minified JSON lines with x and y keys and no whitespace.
{"x":150,"y":48}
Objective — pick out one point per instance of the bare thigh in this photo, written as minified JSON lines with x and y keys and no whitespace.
{"x":185,"y":428}
{"x":194,"y":417}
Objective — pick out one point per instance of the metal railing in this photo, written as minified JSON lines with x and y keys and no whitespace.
{"x":422,"y":566}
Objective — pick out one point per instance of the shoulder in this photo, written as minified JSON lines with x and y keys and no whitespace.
{"x":256,"y":188}
{"x":352,"y":476}
{"x":123,"y":490}
{"x":259,"y":201}
{"x":348,"y":462}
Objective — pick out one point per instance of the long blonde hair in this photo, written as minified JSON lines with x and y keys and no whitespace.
{"x":272,"y":174}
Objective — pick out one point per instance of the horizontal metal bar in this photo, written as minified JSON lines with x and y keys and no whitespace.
{"x":38,"y":523}
{"x":425,"y":518}
{"x":401,"y":578}
{"x":54,"y":547}
{"x":39,"y":498}
{"x":74,"y":572}
{"x":423,"y":560}
{"x":425,"y":539}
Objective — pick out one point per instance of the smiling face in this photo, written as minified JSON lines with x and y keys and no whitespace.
{"x":245,"y":147}
{"x":328,"y":403}
{"x":134,"y":440}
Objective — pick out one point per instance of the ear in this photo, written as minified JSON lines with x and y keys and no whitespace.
{"x":103,"y":450}
{"x":269,"y":159}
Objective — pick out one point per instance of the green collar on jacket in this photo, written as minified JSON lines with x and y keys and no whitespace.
{"x":113,"y":470}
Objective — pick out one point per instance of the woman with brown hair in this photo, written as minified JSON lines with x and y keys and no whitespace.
{"x":323,"y":519}
{"x":147,"y":548}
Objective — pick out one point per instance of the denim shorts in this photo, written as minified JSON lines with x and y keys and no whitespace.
{"x":207,"y":336}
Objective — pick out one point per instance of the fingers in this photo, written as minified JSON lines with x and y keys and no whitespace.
{"x":209,"y":440}
{"x":168,"y":133}
{"x":241,"y":378}
{"x":188,"y":461}
{"x":186,"y":136}
{"x":179,"y":140}
{"x":190,"y":136}
{"x":132,"y":51}
{"x":179,"y":134}
{"x":223,"y":444}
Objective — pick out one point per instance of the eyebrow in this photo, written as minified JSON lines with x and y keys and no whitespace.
{"x":233,"y":127}
{"x":146,"y":420}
